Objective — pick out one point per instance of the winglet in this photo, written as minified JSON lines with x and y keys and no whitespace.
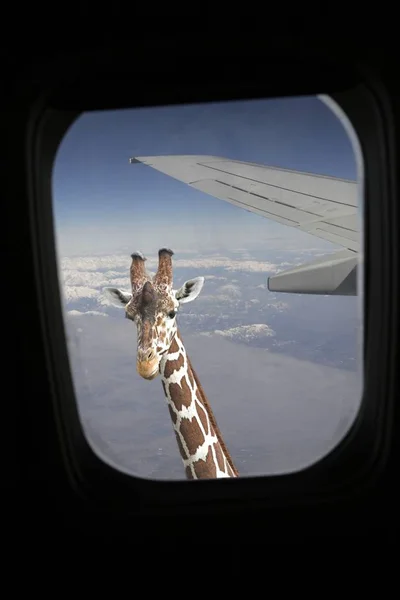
{"x":335,"y":274}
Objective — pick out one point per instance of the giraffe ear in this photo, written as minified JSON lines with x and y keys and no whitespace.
{"x":190,"y":290}
{"x":116,"y":296}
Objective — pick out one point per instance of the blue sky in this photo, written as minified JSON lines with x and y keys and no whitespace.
{"x":103,"y":203}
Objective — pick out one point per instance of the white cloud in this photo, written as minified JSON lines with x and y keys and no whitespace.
{"x":72,"y":292}
{"x":279,"y":306}
{"x":84,"y":277}
{"x":285,"y":264}
{"x":231,"y":290}
{"x":78,"y":313}
{"x":96,"y":263}
{"x":122,"y":263}
{"x":216,"y":278}
{"x":228,"y":264}
{"x":246,"y":332}
{"x":92,"y":279}
{"x":212,"y":299}
{"x":120,"y":282}
{"x":112,"y":274}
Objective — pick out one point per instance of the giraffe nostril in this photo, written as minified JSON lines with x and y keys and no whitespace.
{"x":150,"y":354}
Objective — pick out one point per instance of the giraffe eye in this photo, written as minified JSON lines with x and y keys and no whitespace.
{"x":171,"y":314}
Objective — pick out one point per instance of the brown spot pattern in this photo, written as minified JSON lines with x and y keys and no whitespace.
{"x":174,"y":346}
{"x":203,"y":399}
{"x":202,"y":417}
{"x":158,"y":293}
{"x":191,"y":378}
{"x":190,"y":430}
{"x":174,"y":416}
{"x":220,"y":457}
{"x":180,"y":446}
{"x":206,"y":469}
{"x":180,"y":396}
{"x":192,"y":434}
{"x":231,"y":471}
{"x":173,"y":365}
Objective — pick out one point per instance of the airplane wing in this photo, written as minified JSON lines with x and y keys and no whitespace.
{"x":322,"y":206}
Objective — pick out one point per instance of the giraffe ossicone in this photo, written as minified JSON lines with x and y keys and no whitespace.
{"x":153,"y":304}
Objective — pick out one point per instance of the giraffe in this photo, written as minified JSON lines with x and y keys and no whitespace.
{"x":153,"y":306}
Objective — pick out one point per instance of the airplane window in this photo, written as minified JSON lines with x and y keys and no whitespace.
{"x":210,"y":259}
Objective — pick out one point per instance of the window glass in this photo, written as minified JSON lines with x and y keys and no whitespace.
{"x":255,"y":321}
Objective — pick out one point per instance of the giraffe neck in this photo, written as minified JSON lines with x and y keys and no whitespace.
{"x":200,"y":442}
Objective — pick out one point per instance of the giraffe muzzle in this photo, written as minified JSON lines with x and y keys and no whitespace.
{"x":148,"y":369}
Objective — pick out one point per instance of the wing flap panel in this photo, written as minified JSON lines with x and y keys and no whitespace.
{"x":308,"y":184}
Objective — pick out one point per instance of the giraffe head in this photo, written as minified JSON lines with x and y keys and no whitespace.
{"x":153,"y":305}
